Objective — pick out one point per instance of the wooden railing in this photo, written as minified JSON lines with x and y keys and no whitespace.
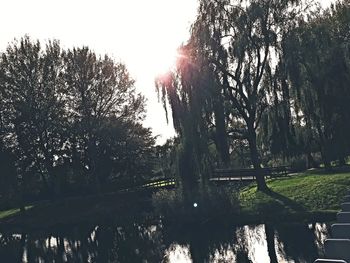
{"x":249,"y":173}
{"x":154,"y":184}
{"x":219,"y":175}
{"x":160,"y":183}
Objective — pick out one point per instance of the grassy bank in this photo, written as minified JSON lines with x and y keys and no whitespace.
{"x":7,"y":213}
{"x":308,"y":196}
{"x":92,"y":209}
{"x":12,"y":212}
{"x":302,"y":195}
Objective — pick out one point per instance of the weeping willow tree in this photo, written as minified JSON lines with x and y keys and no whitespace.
{"x":309,"y":112}
{"x":181,"y":88}
{"x":241,"y":41}
{"x":198,"y":117}
{"x":317,"y":59}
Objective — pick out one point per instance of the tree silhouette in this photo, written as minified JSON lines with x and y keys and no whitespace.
{"x":99,"y":89}
{"x":316,"y":56}
{"x":34,"y":99}
{"x":69,"y":117}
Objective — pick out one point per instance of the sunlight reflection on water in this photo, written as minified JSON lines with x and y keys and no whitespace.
{"x":178,"y":254}
{"x":152,"y":243}
{"x":253,"y":240}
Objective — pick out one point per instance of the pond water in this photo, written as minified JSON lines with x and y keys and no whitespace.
{"x":134,"y":242}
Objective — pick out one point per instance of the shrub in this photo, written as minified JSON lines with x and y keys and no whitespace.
{"x":208,"y":203}
{"x":168,"y":202}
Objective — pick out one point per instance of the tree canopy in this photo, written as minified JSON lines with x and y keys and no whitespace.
{"x":70,"y":117}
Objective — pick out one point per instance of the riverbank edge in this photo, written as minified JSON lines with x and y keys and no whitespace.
{"x":21,"y":224}
{"x":321,"y":195}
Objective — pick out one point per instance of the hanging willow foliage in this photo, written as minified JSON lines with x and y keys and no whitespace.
{"x":316,"y":55}
{"x":188,"y":89}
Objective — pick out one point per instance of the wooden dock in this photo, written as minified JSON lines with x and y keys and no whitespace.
{"x":337,"y":248}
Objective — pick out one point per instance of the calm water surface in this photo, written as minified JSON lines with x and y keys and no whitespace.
{"x":134,"y":242}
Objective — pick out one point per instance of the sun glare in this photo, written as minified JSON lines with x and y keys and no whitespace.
{"x":163,"y":61}
{"x":157,"y":29}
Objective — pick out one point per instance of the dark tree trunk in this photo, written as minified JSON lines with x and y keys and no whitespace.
{"x":260,"y":179}
{"x":221,"y":136}
{"x":20,"y":196}
{"x":187,"y":172}
{"x":270,"y":239}
{"x":92,"y":150}
{"x":50,"y":185}
{"x":60,"y":250}
{"x":324,"y":149}
{"x":45,"y":182}
{"x":326,"y":161}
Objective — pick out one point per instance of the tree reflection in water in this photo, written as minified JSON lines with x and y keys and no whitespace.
{"x":135,"y":242}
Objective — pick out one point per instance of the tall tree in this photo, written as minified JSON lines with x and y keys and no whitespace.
{"x":240,"y":40}
{"x":316,"y":56}
{"x":34,"y":101}
{"x":186,"y":90}
{"x":69,"y":116}
{"x":99,"y":89}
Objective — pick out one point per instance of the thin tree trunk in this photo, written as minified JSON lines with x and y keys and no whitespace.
{"x":93,"y":163}
{"x":45,"y":182}
{"x":324,"y":148}
{"x":19,"y":196}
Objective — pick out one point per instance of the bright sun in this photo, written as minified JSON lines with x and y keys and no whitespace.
{"x":164,"y":60}
{"x":153,"y":59}
{"x":152,"y":49}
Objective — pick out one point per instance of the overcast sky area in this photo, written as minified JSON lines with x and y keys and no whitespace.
{"x":143,"y":34}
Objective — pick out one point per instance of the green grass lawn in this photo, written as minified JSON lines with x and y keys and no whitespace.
{"x":76,"y":210}
{"x":303,"y":193}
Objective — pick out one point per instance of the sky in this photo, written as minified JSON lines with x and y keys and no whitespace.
{"x":143,"y":34}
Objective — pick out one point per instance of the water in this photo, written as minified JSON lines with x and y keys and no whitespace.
{"x":133,"y":242}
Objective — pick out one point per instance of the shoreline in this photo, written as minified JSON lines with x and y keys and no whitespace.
{"x":307,"y":197}
{"x":20,"y":224}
